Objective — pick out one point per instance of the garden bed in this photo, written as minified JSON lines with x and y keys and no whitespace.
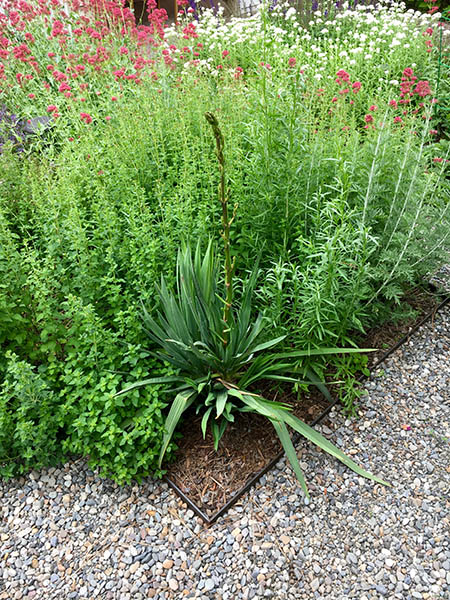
{"x":211,"y":482}
{"x":336,"y":164}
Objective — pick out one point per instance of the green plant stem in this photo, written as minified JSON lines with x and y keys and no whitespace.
{"x":226,"y":224}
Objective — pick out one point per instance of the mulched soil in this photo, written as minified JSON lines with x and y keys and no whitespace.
{"x":210,"y":479}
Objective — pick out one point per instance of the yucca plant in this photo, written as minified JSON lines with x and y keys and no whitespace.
{"x":217,"y":350}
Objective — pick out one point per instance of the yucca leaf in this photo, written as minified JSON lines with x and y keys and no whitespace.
{"x":267,"y":408}
{"x":172,"y":314}
{"x":151,"y":381}
{"x":191,"y":291}
{"x":181,"y":402}
{"x":247,"y":337}
{"x":319,"y":385}
{"x":286,"y":378}
{"x":221,"y":401}
{"x":322,"y":351}
{"x":289,"y":449}
{"x":204,"y":423}
{"x":319,"y":440}
{"x":259,"y":404}
{"x":268,"y":344}
{"x":262,"y":369}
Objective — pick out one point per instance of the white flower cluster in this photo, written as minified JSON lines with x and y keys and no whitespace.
{"x":367,"y":35}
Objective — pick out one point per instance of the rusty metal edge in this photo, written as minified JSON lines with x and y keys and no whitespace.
{"x":245,"y":488}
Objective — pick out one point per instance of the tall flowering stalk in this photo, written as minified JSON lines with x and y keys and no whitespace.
{"x":226,"y":224}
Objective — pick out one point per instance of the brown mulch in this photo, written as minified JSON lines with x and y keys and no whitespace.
{"x":210,"y":479}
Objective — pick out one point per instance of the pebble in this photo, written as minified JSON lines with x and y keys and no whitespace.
{"x":173,"y":584}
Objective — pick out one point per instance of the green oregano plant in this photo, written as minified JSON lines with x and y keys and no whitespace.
{"x":217,"y":350}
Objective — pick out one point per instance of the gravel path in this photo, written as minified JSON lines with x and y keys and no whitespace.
{"x":67,"y":534}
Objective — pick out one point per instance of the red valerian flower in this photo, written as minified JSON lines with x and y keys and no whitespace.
{"x":368,"y":119}
{"x":422,"y":89}
{"x":119,"y":74}
{"x":21,"y":52}
{"x":292,"y":62}
{"x":356,"y":87}
{"x":342,"y":76}
{"x":86,"y":117}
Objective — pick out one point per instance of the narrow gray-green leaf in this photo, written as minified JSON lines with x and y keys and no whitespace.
{"x":152,"y":381}
{"x":288,"y":446}
{"x":181,"y":402}
{"x":204,"y":423}
{"x":221,"y":401}
{"x":268,"y":344}
{"x":318,"y":439}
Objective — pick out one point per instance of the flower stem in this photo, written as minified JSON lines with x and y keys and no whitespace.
{"x":226,"y":224}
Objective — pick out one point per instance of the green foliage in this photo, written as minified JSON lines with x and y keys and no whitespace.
{"x":122,"y":437}
{"x":30,"y":420}
{"x":64,"y":311}
{"x":217,"y":349}
{"x":348,"y":389}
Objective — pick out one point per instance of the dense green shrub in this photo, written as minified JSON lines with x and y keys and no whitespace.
{"x":30,"y":420}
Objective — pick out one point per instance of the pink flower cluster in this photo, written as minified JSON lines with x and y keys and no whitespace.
{"x":434,"y":6}
{"x":410,"y":89}
{"x":79,"y":53}
{"x":343,"y":79}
